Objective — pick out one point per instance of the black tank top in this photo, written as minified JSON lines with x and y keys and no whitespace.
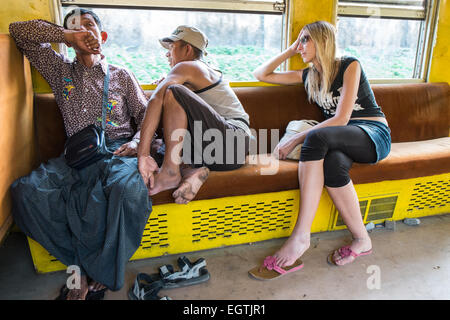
{"x":365,"y":104}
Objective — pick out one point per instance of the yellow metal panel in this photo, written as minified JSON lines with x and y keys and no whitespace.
{"x":214,"y":223}
{"x":303,"y":12}
{"x":206,"y":224}
{"x":18,"y":155}
{"x":43,"y":261}
{"x":13,"y":10}
{"x":418,"y":197}
{"x":27,"y":10}
{"x":440,"y":64}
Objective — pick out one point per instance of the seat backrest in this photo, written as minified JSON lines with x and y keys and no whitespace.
{"x":414,"y":111}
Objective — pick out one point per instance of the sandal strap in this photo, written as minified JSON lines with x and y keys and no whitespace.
{"x":165,"y":271}
{"x":271,"y":264}
{"x":188,"y":270}
{"x":346,"y":251}
{"x":184,"y":264}
{"x":142,"y":291}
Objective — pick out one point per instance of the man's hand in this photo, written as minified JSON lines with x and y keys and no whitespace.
{"x":83,"y":41}
{"x":127,"y":149}
{"x":147,"y":166}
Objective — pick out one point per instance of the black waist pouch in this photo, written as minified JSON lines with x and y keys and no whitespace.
{"x":88,"y":145}
{"x":85,"y":147}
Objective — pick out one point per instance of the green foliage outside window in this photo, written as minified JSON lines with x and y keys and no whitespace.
{"x":237,"y":63}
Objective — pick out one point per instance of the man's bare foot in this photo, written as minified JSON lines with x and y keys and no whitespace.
{"x":164,"y":180}
{"x":357,"y":246}
{"x":193,"y":179}
{"x":291,"y":250}
{"x":79,"y":294}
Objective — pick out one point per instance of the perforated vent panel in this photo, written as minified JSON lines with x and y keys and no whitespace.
{"x":379,"y":208}
{"x":430,"y":195}
{"x":240,"y":220}
{"x":363,"y":207}
{"x":155,"y":232}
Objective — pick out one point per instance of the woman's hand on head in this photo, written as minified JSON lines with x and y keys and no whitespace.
{"x":295,"y":47}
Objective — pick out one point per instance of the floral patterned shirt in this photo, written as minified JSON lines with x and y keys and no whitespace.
{"x":78,"y":89}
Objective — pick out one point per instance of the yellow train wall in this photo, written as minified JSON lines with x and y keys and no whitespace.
{"x":165,"y":234}
{"x":301,"y":13}
{"x":215,"y":223}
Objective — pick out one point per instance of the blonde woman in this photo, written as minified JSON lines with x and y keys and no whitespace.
{"x":354,"y":130}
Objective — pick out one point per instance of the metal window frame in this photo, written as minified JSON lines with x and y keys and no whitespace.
{"x":253,"y":6}
{"x":260,"y":6}
{"x":389,"y":2}
{"x":427,"y":14}
{"x":382,"y":11}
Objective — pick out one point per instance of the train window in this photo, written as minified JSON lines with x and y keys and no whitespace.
{"x":242,"y":34}
{"x":390,"y":38}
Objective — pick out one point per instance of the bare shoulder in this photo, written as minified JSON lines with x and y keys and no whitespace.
{"x":353,"y":72}
{"x":185,"y":67}
{"x":353,"y":67}
{"x":197,"y":74}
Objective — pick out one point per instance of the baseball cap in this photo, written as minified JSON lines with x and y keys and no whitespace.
{"x":191,"y":35}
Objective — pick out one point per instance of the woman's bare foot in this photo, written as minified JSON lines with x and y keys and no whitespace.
{"x":291,"y":250}
{"x":79,"y":294}
{"x":357,"y":246}
{"x":193,"y":179}
{"x":165,"y":179}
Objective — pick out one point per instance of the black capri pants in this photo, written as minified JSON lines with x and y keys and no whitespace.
{"x":339,"y":146}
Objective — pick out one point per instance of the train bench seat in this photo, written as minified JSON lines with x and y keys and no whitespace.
{"x":254,"y":204}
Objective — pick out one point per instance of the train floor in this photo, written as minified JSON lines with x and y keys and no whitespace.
{"x":411,"y":262}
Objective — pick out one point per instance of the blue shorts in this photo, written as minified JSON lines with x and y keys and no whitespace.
{"x":379,"y":133}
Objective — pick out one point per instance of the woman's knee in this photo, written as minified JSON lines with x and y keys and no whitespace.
{"x":336,"y":167}
{"x":314,"y":147}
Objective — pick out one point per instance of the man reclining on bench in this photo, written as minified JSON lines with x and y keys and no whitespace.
{"x":195,"y":105}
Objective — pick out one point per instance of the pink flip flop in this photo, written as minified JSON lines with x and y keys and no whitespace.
{"x":345,"y":252}
{"x":270,"y":270}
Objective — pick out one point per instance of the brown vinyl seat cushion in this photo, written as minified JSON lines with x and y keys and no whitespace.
{"x":418,"y":115}
{"x":406,"y":160}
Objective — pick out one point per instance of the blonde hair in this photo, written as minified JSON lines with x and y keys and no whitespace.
{"x":317,"y":85}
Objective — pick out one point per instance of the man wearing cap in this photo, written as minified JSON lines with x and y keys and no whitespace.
{"x":200,"y":113}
